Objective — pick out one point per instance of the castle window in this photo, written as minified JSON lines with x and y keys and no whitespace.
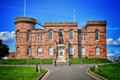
{"x":83,"y":51}
{"x":97,"y":51}
{"x":61,"y":33}
{"x":61,"y":36}
{"x":39,"y":51}
{"x":40,"y":35}
{"x":70,"y":34}
{"x":50,"y":33}
{"x":51,"y":51}
{"x":33,"y":37}
{"x":18,"y":50}
{"x":29,"y":51}
{"x":97,"y":35}
{"x":71,"y":51}
{"x":83,"y":36}
{"x":29,"y":37}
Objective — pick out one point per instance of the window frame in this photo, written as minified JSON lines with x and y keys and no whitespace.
{"x":51,"y":53}
{"x":83,"y":51}
{"x":97,"y":51}
{"x":70,"y":34}
{"x":50,"y":35}
{"x":39,"y":53}
{"x":97,"y":35}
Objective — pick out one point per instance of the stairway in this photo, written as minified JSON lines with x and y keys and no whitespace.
{"x":61,"y":62}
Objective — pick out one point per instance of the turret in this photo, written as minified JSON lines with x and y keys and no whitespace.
{"x":23,"y":27}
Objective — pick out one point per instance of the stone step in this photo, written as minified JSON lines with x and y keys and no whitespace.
{"x":59,"y":60}
{"x":61,"y":63}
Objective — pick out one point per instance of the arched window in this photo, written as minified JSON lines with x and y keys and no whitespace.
{"x":71,"y":52}
{"x":83,"y":52}
{"x":70,"y":34}
{"x":83,"y":36}
{"x":29,"y":51}
{"x":29,"y":35}
{"x":97,"y":35}
{"x":61,"y":33}
{"x":50,"y":33}
{"x":18,"y":50}
{"x":50,"y":51}
{"x":61,"y":36}
{"x":39,"y":36}
{"x":97,"y":51}
{"x":39,"y":51}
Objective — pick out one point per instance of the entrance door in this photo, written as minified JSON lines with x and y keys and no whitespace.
{"x":61,"y":54}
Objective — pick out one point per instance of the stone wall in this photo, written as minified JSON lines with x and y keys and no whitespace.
{"x":29,"y":39}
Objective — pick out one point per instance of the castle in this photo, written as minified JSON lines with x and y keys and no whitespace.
{"x":60,"y":40}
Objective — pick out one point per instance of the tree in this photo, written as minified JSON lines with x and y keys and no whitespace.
{"x":4,"y":49}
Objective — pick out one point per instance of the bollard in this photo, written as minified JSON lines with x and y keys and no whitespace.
{"x":37,"y":69}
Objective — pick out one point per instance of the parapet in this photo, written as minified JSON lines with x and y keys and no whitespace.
{"x":59,"y":23}
{"x":25,"y":19}
{"x":96,"y":23}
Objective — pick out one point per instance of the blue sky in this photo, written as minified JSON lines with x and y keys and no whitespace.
{"x":60,"y":11}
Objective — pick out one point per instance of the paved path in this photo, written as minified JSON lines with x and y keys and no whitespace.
{"x":65,"y":72}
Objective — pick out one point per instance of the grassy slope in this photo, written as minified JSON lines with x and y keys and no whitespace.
{"x":88,"y":61}
{"x":19,"y":73}
{"x":109,"y":71}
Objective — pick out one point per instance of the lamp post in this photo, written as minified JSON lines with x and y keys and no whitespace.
{"x":56,"y":52}
{"x":68,"y":51}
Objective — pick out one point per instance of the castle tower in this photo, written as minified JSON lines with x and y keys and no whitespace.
{"x":94,"y":39}
{"x":23,"y":26}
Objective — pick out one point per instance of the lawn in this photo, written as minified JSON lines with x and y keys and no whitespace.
{"x":109,"y":71}
{"x":26,"y":61}
{"x":89,"y":61}
{"x":20,"y":73}
{"x":50,"y":61}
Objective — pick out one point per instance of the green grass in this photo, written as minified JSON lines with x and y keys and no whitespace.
{"x":109,"y":71}
{"x":26,"y":61}
{"x":89,"y":61}
{"x":19,"y":73}
{"x":50,"y":61}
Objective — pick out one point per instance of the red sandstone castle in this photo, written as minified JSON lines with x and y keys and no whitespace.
{"x":59,"y":40}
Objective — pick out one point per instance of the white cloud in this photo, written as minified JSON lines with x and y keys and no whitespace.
{"x":119,"y":39}
{"x":7,"y":35}
{"x":110,"y":41}
{"x":12,"y":35}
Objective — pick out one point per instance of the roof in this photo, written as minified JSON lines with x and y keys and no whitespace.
{"x":25,"y":19}
{"x":59,"y":23}
{"x":96,"y":23}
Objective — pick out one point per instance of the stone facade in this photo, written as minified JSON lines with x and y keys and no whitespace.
{"x":60,"y":40}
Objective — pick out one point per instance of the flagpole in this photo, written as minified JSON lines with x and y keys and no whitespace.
{"x":74,"y":15}
{"x":25,"y":7}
